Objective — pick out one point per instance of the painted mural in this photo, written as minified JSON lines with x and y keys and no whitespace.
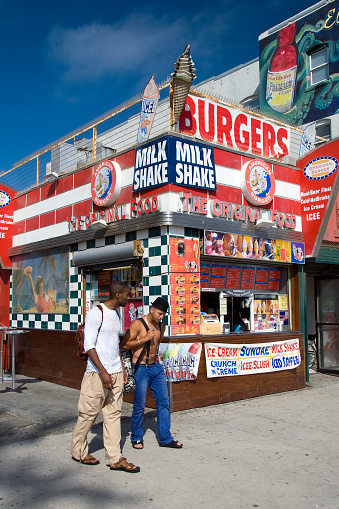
{"x":285,"y":84}
{"x":41,"y":282}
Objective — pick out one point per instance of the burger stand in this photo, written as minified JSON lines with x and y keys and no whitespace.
{"x":204,"y":216}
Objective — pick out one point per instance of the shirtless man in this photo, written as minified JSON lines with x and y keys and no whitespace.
{"x":150,"y":374}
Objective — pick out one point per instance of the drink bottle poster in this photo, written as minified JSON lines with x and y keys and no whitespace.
{"x":131,"y":311}
{"x":239,"y":359}
{"x":180,"y":360}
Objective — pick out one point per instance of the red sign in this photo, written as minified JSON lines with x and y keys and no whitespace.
{"x":319,"y":170}
{"x":247,"y":278}
{"x":6,"y":225}
{"x":258,"y":182}
{"x":106,"y":183}
{"x":233,"y":277}
{"x":233,"y":128}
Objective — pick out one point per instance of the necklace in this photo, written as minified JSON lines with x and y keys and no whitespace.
{"x":149,"y":324}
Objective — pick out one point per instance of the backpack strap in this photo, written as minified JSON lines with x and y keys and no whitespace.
{"x":102,"y":316}
{"x":145,"y":348}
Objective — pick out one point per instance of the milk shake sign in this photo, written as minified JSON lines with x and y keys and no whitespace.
{"x":174,"y":161}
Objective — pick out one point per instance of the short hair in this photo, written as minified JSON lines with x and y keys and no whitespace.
{"x":117,"y":287}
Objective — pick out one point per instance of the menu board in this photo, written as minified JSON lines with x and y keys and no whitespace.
{"x":185,"y":286}
{"x":204,"y":274}
{"x":233,"y":277}
{"x":247,"y":278}
{"x":104,"y":281}
{"x":261,"y":277}
{"x":218,"y":273}
{"x":274,"y":279}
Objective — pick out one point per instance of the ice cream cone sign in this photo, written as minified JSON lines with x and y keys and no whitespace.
{"x":150,"y":98}
{"x":182,"y":78}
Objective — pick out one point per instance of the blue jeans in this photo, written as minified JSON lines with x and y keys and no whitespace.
{"x":152,"y":377}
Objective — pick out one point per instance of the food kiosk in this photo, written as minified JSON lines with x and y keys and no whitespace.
{"x":206,"y":217}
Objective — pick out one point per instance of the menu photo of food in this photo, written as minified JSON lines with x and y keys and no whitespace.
{"x":214,"y":243}
{"x":232,"y":245}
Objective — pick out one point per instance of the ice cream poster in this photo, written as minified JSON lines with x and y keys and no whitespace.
{"x":180,"y":360}
{"x":150,"y":98}
{"x":253,"y":248}
{"x":230,"y":360}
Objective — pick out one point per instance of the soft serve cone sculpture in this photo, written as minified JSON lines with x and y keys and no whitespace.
{"x":183,"y":76}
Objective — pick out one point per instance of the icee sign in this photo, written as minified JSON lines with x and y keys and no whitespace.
{"x":174,"y":161}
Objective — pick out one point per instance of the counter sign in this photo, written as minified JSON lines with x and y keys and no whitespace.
{"x":106,"y":183}
{"x":258,"y":182}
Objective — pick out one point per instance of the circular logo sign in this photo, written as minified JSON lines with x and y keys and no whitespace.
{"x":106,"y":183}
{"x":320,"y":168}
{"x":5,"y":199}
{"x":258,"y":182}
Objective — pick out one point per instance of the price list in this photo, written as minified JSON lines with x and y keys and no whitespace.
{"x":247,"y":278}
{"x":218,"y":276}
{"x":261,"y":277}
{"x":233,"y":277}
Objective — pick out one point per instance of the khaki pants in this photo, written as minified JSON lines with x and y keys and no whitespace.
{"x":93,"y":398}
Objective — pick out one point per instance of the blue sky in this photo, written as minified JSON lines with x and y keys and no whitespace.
{"x":63,"y":63}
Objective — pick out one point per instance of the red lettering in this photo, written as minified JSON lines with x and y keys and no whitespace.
{"x":242,"y":139}
{"x":155,"y":204}
{"x":116,"y":214}
{"x":282,"y":135}
{"x":206,"y":135}
{"x":216,"y":208}
{"x":147,"y":206}
{"x":225,"y":210}
{"x":224,"y":126}
{"x":203,"y":205}
{"x":255,"y":136}
{"x":133,"y":207}
{"x":187,"y":122}
{"x":268,"y":140}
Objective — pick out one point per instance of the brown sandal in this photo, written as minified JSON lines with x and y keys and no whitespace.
{"x":88,"y":460}
{"x":124,"y":466}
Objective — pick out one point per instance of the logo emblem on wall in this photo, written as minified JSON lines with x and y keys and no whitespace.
{"x":320,"y":168}
{"x":106,"y":183}
{"x":5,"y":199}
{"x":258,"y":182}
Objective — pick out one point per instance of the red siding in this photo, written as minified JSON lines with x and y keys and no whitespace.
{"x":32,"y":223}
{"x":47,"y":219}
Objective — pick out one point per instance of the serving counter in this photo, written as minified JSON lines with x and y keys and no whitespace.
{"x":211,"y":391}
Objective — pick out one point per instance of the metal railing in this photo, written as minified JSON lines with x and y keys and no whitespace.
{"x":95,"y":141}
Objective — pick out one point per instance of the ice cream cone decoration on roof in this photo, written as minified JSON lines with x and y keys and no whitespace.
{"x":150,"y":98}
{"x":183,"y":76}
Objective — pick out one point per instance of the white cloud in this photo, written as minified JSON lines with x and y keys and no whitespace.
{"x":92,"y":51}
{"x":140,"y":42}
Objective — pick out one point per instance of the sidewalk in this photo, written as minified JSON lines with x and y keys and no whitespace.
{"x":278,"y":451}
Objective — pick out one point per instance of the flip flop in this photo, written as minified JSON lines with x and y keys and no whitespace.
{"x":124,"y":466}
{"x":173,"y":445}
{"x":138,"y":442}
{"x":89,"y":460}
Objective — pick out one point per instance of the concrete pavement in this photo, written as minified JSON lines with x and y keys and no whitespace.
{"x":278,"y":451}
